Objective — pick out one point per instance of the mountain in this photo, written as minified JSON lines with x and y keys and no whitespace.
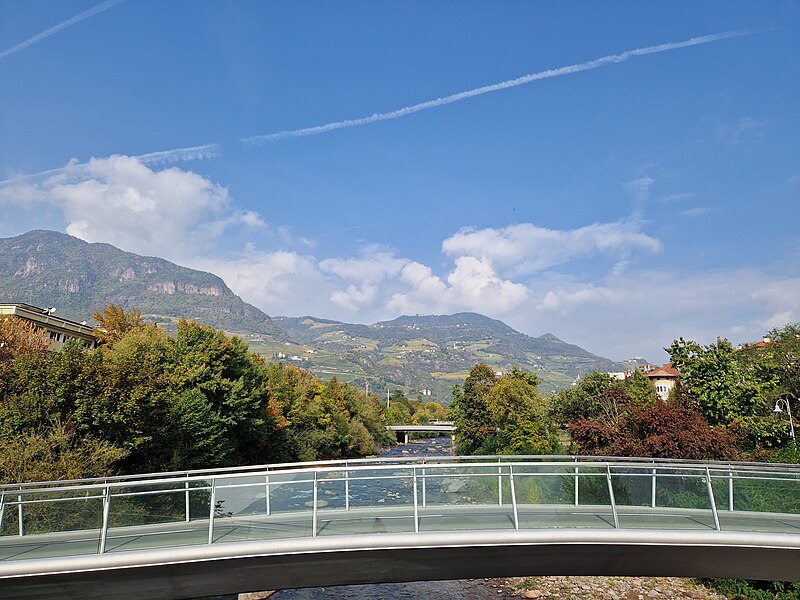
{"x":46,"y":268}
{"x":427,"y":352}
{"x":424,"y":355}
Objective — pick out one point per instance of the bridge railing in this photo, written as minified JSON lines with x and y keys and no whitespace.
{"x":376,"y":496}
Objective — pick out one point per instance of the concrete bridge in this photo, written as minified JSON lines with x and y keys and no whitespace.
{"x":402,"y":431}
{"x":184,"y":535}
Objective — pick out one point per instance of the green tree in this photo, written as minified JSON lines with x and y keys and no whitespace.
{"x":641,"y":389}
{"x":730,"y":389}
{"x":470,"y":410}
{"x":590,"y":398}
{"x":502,"y":415}
{"x":520,"y":417}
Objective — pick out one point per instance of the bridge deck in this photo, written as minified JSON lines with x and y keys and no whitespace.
{"x":61,"y":530}
{"x":383,"y":520}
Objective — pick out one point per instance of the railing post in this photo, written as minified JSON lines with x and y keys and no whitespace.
{"x":499,"y":485}
{"x":611,"y":497}
{"x":2,"y":510}
{"x":266,"y":495}
{"x":186,"y":493}
{"x":104,"y":527}
{"x":211,"y":510}
{"x":424,"y":489}
{"x":711,"y":498}
{"x":513,"y":496}
{"x":730,"y":491}
{"x":21,"y":528}
{"x":653,"y":490}
{"x":346,"y":486}
{"x":314,"y":509}
{"x":577,"y":497}
{"x":416,"y":506}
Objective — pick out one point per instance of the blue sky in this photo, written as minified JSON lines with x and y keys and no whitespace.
{"x":641,"y":185}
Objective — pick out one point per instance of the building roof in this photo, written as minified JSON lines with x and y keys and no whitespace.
{"x":666,"y":371}
{"x":45,"y":318}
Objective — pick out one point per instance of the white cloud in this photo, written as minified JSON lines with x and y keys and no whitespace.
{"x":526,"y":248}
{"x":510,"y":273}
{"x":373,"y":266}
{"x":279,"y":283}
{"x":171,"y":213}
{"x":678,"y":197}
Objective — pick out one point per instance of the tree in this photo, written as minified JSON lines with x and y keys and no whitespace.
{"x":520,"y":417}
{"x":114,"y":322}
{"x":470,"y":410}
{"x":502,"y":415}
{"x":730,"y":387}
{"x":19,"y":337}
{"x":590,"y":398}
{"x":641,"y":389}
{"x":662,"y":430}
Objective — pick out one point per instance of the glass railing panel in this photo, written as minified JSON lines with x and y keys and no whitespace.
{"x":546,"y":496}
{"x":681,"y":500}
{"x":270,"y":505}
{"x":768,"y":501}
{"x":633,"y":486}
{"x":366,"y":501}
{"x":468,"y":497}
{"x":461,"y":485}
{"x":392,"y":486}
{"x":155,"y":516}
{"x":53,"y":524}
{"x":545,"y":484}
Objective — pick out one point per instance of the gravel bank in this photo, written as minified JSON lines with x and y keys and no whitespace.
{"x":614,"y":588}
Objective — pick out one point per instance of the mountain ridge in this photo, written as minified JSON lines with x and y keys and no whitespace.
{"x":424,"y":354}
{"x":77,"y":277}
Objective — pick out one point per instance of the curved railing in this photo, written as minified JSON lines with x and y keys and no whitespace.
{"x":390,"y":495}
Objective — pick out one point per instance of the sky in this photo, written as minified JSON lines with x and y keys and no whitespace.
{"x":618,"y":174}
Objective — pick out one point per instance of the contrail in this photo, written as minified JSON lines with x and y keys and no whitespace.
{"x":161,"y":157}
{"x":63,"y":25}
{"x":180,"y":154}
{"x":495,"y":87}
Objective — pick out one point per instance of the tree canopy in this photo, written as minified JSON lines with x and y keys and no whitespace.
{"x":147,"y":401}
{"x":502,"y":414}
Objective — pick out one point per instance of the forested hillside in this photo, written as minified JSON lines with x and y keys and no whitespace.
{"x":46,"y":268}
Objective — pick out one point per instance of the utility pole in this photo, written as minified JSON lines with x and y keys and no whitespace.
{"x":387,"y":397}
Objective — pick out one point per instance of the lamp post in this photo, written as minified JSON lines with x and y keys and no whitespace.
{"x":779,"y":406}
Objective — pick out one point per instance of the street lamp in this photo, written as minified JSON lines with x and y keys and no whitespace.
{"x":779,"y":404}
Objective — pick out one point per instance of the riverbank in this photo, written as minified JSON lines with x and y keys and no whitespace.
{"x":602,"y":588}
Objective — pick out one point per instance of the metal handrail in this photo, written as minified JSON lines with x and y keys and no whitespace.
{"x":693,"y":470}
{"x":532,"y":458}
{"x":504,"y":468}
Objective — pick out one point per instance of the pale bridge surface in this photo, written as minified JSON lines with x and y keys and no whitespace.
{"x":201,"y":533}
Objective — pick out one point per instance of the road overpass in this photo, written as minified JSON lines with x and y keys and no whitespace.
{"x":402,"y":431}
{"x":199,"y":533}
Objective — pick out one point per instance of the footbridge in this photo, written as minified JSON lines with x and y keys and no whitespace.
{"x":200,"y":533}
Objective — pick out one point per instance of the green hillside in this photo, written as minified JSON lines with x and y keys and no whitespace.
{"x":426,"y":352}
{"x":51,"y":269}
